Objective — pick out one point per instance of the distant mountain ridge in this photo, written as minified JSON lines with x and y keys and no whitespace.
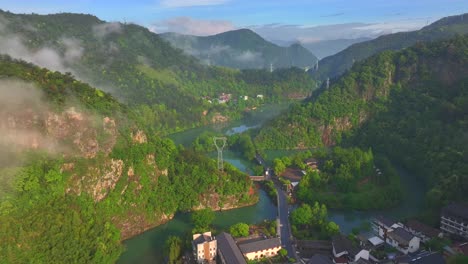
{"x":140,"y":68}
{"x":325,"y":48}
{"x":445,"y":28}
{"x":242,"y":49}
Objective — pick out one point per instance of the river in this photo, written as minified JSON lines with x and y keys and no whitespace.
{"x":147,"y":247}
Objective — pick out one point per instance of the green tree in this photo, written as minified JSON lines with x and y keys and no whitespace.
{"x":283,"y":252}
{"x":239,"y":230}
{"x":202,"y":219}
{"x":332,"y":228}
{"x":302,"y":215}
{"x":174,"y":249}
{"x":278,"y":166}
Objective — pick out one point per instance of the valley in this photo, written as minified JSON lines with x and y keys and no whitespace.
{"x":109,"y":134}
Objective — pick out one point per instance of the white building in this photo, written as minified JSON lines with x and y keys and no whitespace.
{"x":403,"y":240}
{"x":204,"y":247}
{"x":258,"y":249}
{"x":454,"y":220}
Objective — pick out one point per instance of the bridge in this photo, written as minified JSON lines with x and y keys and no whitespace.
{"x":258,"y":178}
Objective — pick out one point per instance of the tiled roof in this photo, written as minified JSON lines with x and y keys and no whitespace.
{"x":386,"y":221}
{"x":401,"y":235}
{"x":422,"y":228}
{"x":259,"y":245}
{"x":320,"y":259}
{"x":229,"y":249}
{"x":342,"y":244}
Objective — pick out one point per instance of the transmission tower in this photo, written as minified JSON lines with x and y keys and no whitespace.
{"x":220,"y":147}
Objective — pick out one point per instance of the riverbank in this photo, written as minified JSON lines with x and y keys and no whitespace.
{"x":148,"y":247}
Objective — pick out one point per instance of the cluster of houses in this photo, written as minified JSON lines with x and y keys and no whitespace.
{"x":224,"y":249}
{"x":398,"y":242}
{"x":226,"y":97}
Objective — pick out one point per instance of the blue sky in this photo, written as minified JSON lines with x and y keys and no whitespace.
{"x":274,"y":19}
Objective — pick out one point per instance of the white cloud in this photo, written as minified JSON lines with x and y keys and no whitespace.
{"x":248,"y":56}
{"x":309,"y":34}
{"x":395,"y":26}
{"x":190,"y":26}
{"x":188,"y":3}
{"x":102,"y":30}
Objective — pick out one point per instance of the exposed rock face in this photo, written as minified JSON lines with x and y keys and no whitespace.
{"x":215,"y":202}
{"x":218,"y":118}
{"x":139,"y":137}
{"x":97,"y":181}
{"x":70,"y":132}
{"x":134,"y":224}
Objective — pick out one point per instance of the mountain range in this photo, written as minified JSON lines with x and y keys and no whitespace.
{"x":335,"y":65}
{"x":242,"y":49}
{"x":141,"y":69}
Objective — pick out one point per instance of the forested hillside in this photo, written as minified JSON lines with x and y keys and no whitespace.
{"x":79,"y":171}
{"x":410,"y":105}
{"x":335,"y":65}
{"x":140,"y":68}
{"x":241,"y":49}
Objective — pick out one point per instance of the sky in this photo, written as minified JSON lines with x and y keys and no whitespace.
{"x":276,"y":20}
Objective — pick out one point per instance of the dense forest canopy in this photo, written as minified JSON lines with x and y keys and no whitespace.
{"x":109,"y":177}
{"x":409,"y":105}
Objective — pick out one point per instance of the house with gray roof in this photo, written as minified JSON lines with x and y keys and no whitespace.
{"x":423,"y":231}
{"x":260,"y":248}
{"x":344,"y":251}
{"x":228,"y":251}
{"x":320,"y":259}
{"x":403,"y":240}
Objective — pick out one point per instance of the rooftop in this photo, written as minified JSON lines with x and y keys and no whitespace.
{"x":375,"y":241}
{"x":202,"y":238}
{"x":457,"y":210}
{"x":292,"y":174}
{"x":320,"y":259}
{"x":422,"y":228}
{"x":342,"y":244}
{"x":229,"y":249}
{"x":401,"y":235}
{"x":385,"y":221}
{"x":259,"y":245}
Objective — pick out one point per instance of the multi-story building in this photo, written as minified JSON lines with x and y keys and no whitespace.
{"x":454,"y":220}
{"x":204,"y":247}
{"x":395,"y":235}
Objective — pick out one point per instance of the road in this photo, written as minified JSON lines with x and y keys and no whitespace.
{"x":285,"y":228}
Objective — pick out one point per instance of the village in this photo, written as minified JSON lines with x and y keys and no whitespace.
{"x":386,"y":241}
